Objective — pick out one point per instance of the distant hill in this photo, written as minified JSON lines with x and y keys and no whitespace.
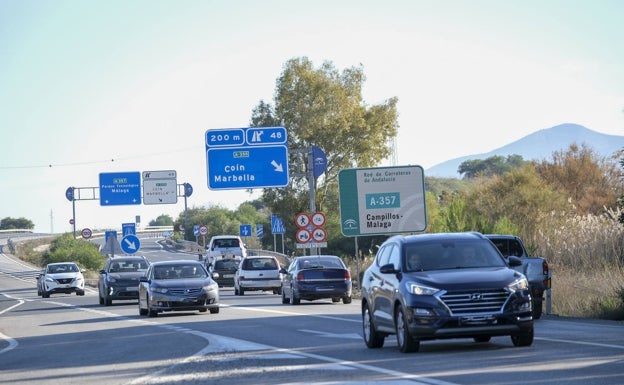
{"x":539,"y":146}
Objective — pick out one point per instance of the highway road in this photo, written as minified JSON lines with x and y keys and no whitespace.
{"x":255,"y":339}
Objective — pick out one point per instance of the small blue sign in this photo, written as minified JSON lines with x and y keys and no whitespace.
{"x":259,"y":231}
{"x":130,"y":244}
{"x":69,"y":194}
{"x":128,"y":229}
{"x":120,"y":188}
{"x":277,"y":225}
{"x":319,"y":161}
{"x":245,"y":230}
{"x":188,"y":190}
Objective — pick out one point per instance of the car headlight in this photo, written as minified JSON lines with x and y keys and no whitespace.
{"x":111,"y":278}
{"x":161,"y":290}
{"x":519,"y":284}
{"x":48,"y":279}
{"x":418,"y":289}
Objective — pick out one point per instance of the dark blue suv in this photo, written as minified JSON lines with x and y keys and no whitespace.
{"x":445,"y":285}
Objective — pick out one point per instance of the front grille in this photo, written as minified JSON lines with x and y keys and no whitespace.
{"x":185,"y":292}
{"x":64,"y":281}
{"x":475,"y":301}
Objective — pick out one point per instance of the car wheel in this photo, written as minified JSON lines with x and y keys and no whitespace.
{"x":335,"y":299}
{"x":214,"y":310}
{"x":285,"y":300}
{"x":235,"y":290}
{"x":80,"y":292}
{"x":523,"y":339}
{"x":101,"y":299}
{"x":203,"y":310}
{"x":141,"y":310}
{"x":482,"y":338}
{"x":150,"y":311}
{"x":407,"y":344}
{"x":45,"y":294}
{"x":107,"y":301}
{"x":346,"y":300}
{"x":537,"y":309}
{"x":295,"y":300}
{"x":372,"y":339}
{"x":241,"y":291}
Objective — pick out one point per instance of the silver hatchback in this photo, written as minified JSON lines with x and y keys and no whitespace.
{"x":258,"y":273}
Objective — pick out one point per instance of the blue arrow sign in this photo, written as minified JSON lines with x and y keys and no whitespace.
{"x":245,"y":230}
{"x":120,"y":188}
{"x":130,"y":244}
{"x":255,"y":157}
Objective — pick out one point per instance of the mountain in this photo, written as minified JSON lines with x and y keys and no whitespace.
{"x":538,"y":146}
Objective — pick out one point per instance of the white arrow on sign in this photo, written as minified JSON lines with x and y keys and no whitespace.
{"x":131,"y":245}
{"x":278,"y":167}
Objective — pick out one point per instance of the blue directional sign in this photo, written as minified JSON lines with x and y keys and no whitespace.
{"x":120,"y":188}
{"x":245,"y":230}
{"x":128,"y":229}
{"x":255,"y":157}
{"x":130,"y":244}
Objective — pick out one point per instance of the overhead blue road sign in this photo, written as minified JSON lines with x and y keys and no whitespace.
{"x":130,"y":244}
{"x":241,"y":158}
{"x":69,"y":194}
{"x":120,"y":188}
{"x":319,"y":161}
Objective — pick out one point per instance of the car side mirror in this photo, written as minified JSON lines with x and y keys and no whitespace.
{"x":283,"y":271}
{"x":144,"y":279}
{"x":514,"y":261}
{"x":388,"y":269}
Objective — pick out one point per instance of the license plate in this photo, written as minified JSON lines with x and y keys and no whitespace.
{"x":132,"y":288}
{"x":228,"y":275}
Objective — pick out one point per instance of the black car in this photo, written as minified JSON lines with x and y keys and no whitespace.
{"x":180,"y":285}
{"x":447,"y":285}
{"x":119,"y":279}
{"x":316,"y":277}
{"x":224,"y":270}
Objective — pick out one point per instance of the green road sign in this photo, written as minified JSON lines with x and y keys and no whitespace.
{"x":382,"y":200}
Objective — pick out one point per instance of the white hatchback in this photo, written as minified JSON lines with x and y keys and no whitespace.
{"x":62,"y":277}
{"x":258,"y":273}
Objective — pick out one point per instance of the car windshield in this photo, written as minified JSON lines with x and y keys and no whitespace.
{"x":226,"y":264}
{"x":319,"y":263}
{"x":452,"y":254}
{"x":64,"y":268}
{"x":260,"y":264}
{"x":179,"y":271}
{"x":225,"y":243}
{"x":127,"y":266}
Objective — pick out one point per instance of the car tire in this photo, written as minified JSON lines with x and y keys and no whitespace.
{"x":101,"y":300}
{"x":107,"y":301}
{"x":80,"y":292}
{"x":537,"y":309}
{"x":346,"y":300}
{"x":522,"y":339}
{"x":141,"y":310}
{"x":241,"y":291}
{"x":214,"y":310}
{"x":407,"y":343}
{"x":150,"y":312}
{"x":372,"y":338}
{"x":203,"y":310}
{"x":335,"y":299}
{"x":295,"y":300}
{"x":235,"y":290}
{"x":285,"y":300}
{"x":45,"y":294}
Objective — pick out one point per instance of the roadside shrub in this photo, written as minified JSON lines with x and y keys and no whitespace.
{"x":67,"y":249}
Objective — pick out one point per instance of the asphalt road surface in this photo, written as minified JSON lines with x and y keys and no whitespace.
{"x":255,"y":339}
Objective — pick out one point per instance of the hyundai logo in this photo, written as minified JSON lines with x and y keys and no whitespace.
{"x":475,"y":297}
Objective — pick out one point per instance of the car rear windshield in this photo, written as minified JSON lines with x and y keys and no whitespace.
{"x":260,"y":264}
{"x":226,"y":264}
{"x":451,"y":254}
{"x":225,"y":243}
{"x":128,"y":266}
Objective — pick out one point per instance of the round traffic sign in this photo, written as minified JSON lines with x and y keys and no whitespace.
{"x":86,"y":233}
{"x":71,"y":221}
{"x":319,"y":235}
{"x":303,"y":236}
{"x":318,"y":218}
{"x":302,"y":220}
{"x":203,"y":229}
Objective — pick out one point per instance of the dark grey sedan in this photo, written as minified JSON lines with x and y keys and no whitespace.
{"x":183,"y":285}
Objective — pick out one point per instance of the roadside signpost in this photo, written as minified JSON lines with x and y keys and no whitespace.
{"x":241,"y":158}
{"x":130,"y":244}
{"x":382,"y":200}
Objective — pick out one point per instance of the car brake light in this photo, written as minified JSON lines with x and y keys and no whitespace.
{"x":545,"y":267}
{"x":347,"y":275}
{"x":300,"y":276}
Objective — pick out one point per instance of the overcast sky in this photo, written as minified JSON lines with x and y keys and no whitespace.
{"x":88,"y":87}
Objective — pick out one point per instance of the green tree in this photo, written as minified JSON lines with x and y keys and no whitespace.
{"x":162,"y":220}
{"x":592,"y":183}
{"x":68,"y":249}
{"x":16,"y":223}
{"x":494,"y":165}
{"x":324,"y":107}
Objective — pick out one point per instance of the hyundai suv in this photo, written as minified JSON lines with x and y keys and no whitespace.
{"x":446,"y":285}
